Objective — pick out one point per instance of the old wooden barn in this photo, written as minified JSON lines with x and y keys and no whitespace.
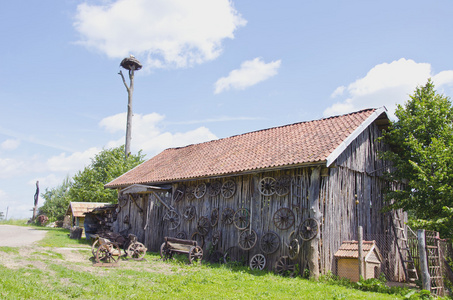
{"x":288,"y":195}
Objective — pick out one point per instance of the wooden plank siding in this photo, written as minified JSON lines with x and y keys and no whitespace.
{"x":355,"y":176}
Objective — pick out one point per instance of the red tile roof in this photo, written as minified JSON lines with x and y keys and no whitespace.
{"x":300,"y":143}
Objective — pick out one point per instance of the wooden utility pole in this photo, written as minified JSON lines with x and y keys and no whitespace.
{"x":131,"y":64}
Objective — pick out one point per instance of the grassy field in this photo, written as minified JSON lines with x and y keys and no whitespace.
{"x":60,"y":268}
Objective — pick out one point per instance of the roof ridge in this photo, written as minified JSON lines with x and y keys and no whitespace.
{"x":271,"y":128}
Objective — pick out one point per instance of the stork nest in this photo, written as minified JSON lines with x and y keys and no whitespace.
{"x":131,"y":63}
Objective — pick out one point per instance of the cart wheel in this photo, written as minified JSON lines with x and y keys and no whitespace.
{"x":136,"y":250}
{"x":284,"y":266}
{"x":195,"y":254}
{"x":94,"y":247}
{"x":293,"y":248}
{"x":308,"y":229}
{"x":269,"y":243}
{"x":247,"y":239}
{"x":108,"y":253}
{"x":258,"y":262}
{"x":165,"y":252}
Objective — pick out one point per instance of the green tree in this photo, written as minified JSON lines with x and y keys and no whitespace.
{"x":56,"y":201}
{"x":421,"y":143}
{"x":88,"y":185}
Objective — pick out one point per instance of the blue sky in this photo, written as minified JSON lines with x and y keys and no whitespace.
{"x":212,"y":69}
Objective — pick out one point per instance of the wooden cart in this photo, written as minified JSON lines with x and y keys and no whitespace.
{"x":174,"y":245}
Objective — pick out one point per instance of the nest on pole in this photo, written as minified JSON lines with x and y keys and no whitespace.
{"x":131,"y":63}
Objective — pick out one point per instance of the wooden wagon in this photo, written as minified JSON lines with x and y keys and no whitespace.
{"x":174,"y":245}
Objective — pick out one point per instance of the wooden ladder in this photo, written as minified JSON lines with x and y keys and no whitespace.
{"x":434,"y":264}
{"x":402,"y":231}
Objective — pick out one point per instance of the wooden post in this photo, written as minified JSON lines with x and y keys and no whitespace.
{"x":313,"y":247}
{"x":426,"y":278}
{"x":360,"y":249}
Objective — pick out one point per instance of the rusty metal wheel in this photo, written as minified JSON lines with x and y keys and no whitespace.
{"x":228,"y":189}
{"x":293,"y":249}
{"x":173,"y":218}
{"x":241,"y":218}
{"x":284,"y":266}
{"x":190,"y":212}
{"x":199,"y":238}
{"x":267,"y":186}
{"x":181,"y":235}
{"x":308,"y":229}
{"x":284,"y":218}
{"x":190,"y":193}
{"x":178,"y":195}
{"x":216,"y":236}
{"x":203,"y":225}
{"x":227,"y":216}
{"x":108,"y":253}
{"x":214,"y":188}
{"x":195,"y":254}
{"x":269,"y":242}
{"x":283,"y":185}
{"x":258,"y":262}
{"x":247,"y":239}
{"x":136,"y":251}
{"x":200,"y":190}
{"x":214,"y":217}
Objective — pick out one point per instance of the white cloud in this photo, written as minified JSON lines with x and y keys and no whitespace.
{"x":250,"y":73}
{"x":176,"y":33}
{"x":10,"y":167}
{"x":387,"y":84}
{"x":10,"y":144}
{"x":148,"y":136}
{"x":72,"y":162}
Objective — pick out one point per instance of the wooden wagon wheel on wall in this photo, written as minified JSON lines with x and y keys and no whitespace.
{"x":181,"y":235}
{"x":190,"y":212}
{"x":216,"y":236}
{"x":214,"y":188}
{"x":203,"y":225}
{"x":227,"y":216}
{"x":267,"y":186}
{"x":284,"y":218}
{"x":178,"y":195}
{"x":173,"y":218}
{"x":190,"y":193}
{"x":308,"y":229}
{"x":258,"y":262}
{"x":284,"y":266}
{"x":283,"y":185}
{"x":198,"y":237}
{"x":228,"y":188}
{"x":214,"y":217}
{"x":293,"y":248}
{"x":269,"y":242}
{"x":247,"y":239}
{"x":241,"y":218}
{"x":200,"y":190}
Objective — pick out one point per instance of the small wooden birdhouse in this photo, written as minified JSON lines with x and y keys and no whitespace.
{"x":348,"y":260}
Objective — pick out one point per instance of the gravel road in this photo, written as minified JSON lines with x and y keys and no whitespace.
{"x":17,"y":236}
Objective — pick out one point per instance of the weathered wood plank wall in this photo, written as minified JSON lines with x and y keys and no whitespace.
{"x":355,"y":178}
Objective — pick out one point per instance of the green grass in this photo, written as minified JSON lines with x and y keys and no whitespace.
{"x":153,"y":279}
{"x":17,"y":222}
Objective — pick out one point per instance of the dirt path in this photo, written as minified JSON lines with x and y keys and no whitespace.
{"x":18,"y":236}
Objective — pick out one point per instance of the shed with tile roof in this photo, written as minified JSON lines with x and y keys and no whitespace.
{"x":77,"y":211}
{"x":348,"y":260}
{"x":252,"y":193}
